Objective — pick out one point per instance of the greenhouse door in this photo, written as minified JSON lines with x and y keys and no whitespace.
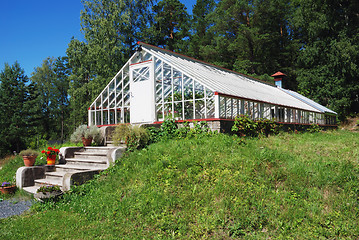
{"x":142,"y":106}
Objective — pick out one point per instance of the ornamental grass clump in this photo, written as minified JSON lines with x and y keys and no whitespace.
{"x":29,"y":152}
{"x":83,"y":131}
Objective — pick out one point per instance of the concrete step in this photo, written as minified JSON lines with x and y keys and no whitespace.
{"x":87,"y":162}
{"x":45,"y":181}
{"x":98,"y":150}
{"x":57,"y":175}
{"x":76,"y":167}
{"x":89,"y":156}
{"x":32,"y":189}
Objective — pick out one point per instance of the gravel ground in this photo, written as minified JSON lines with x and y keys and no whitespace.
{"x":13,"y":207}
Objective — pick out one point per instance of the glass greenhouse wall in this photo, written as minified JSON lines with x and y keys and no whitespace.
{"x":149,"y":88}
{"x":230,"y":107}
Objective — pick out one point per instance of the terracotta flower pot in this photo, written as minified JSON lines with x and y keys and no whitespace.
{"x":29,"y":160}
{"x":8,"y":190}
{"x":87,"y":141}
{"x":51,"y":160}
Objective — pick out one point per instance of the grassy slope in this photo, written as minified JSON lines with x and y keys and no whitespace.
{"x":300,"y":186}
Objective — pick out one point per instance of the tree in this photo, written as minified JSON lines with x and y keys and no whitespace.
{"x":171,"y":25}
{"x":13,"y":98}
{"x":328,"y":60}
{"x":51,"y":83}
{"x":200,"y":25}
{"x":111,"y":29}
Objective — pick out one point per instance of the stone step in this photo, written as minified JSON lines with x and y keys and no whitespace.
{"x":57,"y":175}
{"x":32,"y":189}
{"x":77,"y":167}
{"x":45,"y":181}
{"x":97,"y":150}
{"x":89,"y":156}
{"x":87,"y":162}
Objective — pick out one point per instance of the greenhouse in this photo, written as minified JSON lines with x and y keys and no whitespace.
{"x":156,"y":83}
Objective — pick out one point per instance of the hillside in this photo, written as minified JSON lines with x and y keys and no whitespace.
{"x":301,"y":186}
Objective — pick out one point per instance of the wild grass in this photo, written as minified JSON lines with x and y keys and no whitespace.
{"x":299,"y":186}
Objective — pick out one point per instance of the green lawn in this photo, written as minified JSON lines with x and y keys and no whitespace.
{"x":299,"y":186}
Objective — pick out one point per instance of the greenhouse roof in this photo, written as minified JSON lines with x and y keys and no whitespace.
{"x":227,"y":82}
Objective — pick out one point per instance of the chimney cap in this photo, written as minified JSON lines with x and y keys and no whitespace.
{"x":278,"y":74}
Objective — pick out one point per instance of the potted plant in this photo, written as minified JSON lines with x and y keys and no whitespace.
{"x":47,"y":192}
{"x":86,"y":134}
{"x":51,"y":154}
{"x":7,"y":188}
{"x":29,"y":157}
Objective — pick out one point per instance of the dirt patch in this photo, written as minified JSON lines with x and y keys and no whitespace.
{"x":350,"y":124}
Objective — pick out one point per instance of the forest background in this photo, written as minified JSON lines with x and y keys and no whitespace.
{"x":314,"y":42}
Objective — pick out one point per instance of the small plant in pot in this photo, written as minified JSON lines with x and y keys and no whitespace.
{"x":47,"y":192}
{"x":51,"y":154}
{"x":29,"y":157}
{"x":86,"y":134}
{"x":7,"y":188}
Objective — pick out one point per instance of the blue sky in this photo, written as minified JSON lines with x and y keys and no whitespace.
{"x":32,"y":30}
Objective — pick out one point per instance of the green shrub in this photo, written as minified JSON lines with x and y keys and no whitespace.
{"x":170,"y":130}
{"x":134,"y":137}
{"x":313,"y":128}
{"x":244,"y":126}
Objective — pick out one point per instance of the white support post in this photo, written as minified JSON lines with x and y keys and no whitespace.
{"x":216,"y":106}
{"x":89,"y":117}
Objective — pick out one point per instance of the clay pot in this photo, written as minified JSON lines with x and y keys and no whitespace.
{"x":29,"y":160}
{"x":87,"y":141}
{"x":8,"y":190}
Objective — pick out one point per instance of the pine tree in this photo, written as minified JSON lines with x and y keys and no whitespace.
{"x":171,"y":25}
{"x":13,"y":114}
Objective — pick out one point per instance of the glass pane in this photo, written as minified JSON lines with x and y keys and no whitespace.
{"x":159,"y":112}
{"x":112,"y":86}
{"x":168,"y":110}
{"x":210,"y":108}
{"x":228,"y":107}
{"x":188,"y":109}
{"x":222,"y":107}
{"x":98,"y":118}
{"x":177,"y":91}
{"x":235,"y":108}
{"x":112,"y":116}
{"x":105,"y":118}
{"x":188,"y":88}
{"x":119,"y":120}
{"x":178,"y":111}
{"x":141,"y":74}
{"x":127,"y":99}
{"x":200,"y":110}
{"x":199,"y":90}
{"x":111,"y":99}
{"x":209,"y":93}
{"x":127,"y":115}
{"x":158,"y":92}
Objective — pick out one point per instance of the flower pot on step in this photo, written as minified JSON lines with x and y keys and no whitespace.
{"x":8,"y":189}
{"x":87,"y":141}
{"x":29,"y":160}
{"x":51,"y":160}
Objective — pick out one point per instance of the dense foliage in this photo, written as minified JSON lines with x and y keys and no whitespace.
{"x":316,"y":43}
